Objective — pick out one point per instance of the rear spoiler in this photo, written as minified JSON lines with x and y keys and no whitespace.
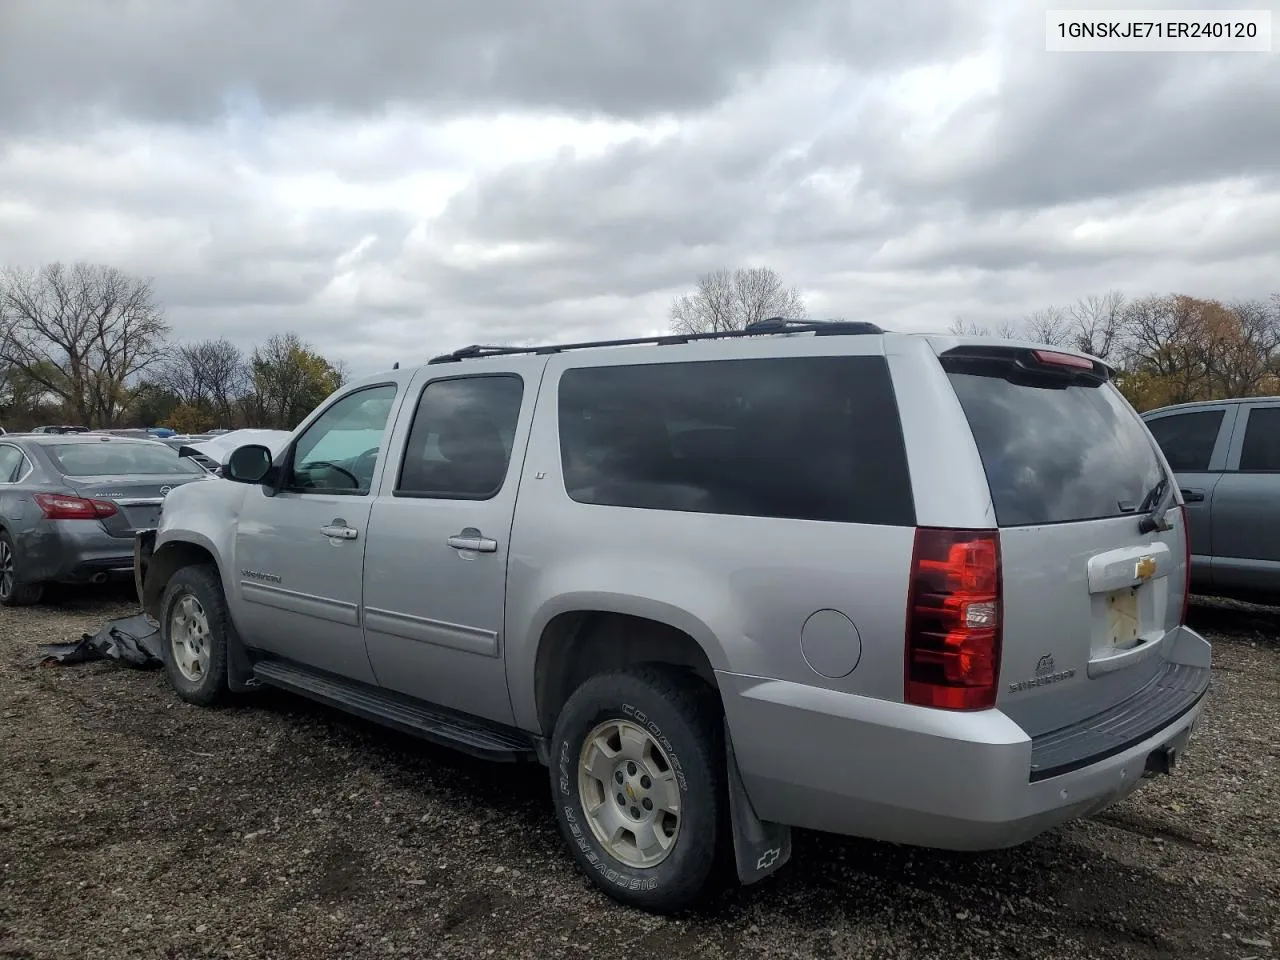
{"x":1031,"y":360}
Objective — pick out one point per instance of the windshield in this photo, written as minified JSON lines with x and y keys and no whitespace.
{"x":115,"y":458}
{"x":1055,"y":453}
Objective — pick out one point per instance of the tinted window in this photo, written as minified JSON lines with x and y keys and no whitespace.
{"x":1261,"y":449}
{"x":460,"y":442}
{"x":118,"y":457}
{"x":1055,"y":453}
{"x":339,"y":451}
{"x":1187,"y":439}
{"x":806,"y":438}
{"x":11,"y":463}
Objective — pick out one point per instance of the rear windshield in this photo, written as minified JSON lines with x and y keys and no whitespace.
{"x":113,"y":458}
{"x":1055,"y":453}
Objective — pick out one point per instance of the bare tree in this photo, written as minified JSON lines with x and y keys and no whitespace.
{"x":961,"y":327}
{"x":210,"y":375}
{"x":1049,"y":326}
{"x":1005,"y":329}
{"x":81,"y":332}
{"x":731,"y":300}
{"x":1097,"y":323}
{"x":226,"y":374}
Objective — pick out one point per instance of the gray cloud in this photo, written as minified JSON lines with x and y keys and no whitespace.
{"x":268,"y":167}
{"x":192,"y":60}
{"x":1064,"y":128}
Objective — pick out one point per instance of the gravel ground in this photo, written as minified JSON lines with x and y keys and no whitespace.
{"x":132,"y":825}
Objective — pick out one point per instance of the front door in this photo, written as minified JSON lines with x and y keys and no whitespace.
{"x":299,"y":555}
{"x":436,"y":567}
{"x":1246,"y":504}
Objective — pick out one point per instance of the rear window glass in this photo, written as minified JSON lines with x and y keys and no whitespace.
{"x":1188,"y":439}
{"x":112,"y":457}
{"x":1055,"y":454}
{"x":806,"y":438}
{"x":1261,"y":452}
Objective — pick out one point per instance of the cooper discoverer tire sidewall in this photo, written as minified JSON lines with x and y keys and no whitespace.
{"x":682,"y":716}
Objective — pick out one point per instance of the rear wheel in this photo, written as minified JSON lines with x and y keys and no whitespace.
{"x":193,"y":625}
{"x":637,"y":775}
{"x":13,"y":592}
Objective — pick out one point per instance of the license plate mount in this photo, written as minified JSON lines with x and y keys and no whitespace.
{"x":1122,"y":617}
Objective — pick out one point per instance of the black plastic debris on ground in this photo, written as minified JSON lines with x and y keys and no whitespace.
{"x":133,"y":640}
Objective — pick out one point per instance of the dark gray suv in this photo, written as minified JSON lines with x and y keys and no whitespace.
{"x":1226,"y":456}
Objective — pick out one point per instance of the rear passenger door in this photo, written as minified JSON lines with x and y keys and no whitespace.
{"x":436,"y":563}
{"x":1246,"y":504}
{"x":1196,"y":442}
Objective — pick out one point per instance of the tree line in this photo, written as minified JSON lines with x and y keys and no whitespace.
{"x":88,"y":344}
{"x":1165,"y":348}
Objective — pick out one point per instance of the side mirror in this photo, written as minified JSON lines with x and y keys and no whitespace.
{"x":248,"y":464}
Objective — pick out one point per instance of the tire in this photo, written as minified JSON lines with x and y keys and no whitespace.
{"x":679,"y":718}
{"x":194,"y":608}
{"x":13,"y":592}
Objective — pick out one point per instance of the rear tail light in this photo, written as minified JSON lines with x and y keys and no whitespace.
{"x":1186,"y":554}
{"x":1056,"y":359}
{"x":56,"y":506}
{"x":953,"y":619}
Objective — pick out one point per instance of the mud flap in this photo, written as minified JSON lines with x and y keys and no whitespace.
{"x":240,"y":676}
{"x":759,"y":847}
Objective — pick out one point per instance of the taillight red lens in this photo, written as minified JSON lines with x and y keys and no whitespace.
{"x":1054,"y":358}
{"x":1186,"y":553}
{"x":57,"y":506}
{"x":953,"y":619}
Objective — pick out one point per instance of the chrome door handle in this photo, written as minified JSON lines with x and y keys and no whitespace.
{"x":340,"y":531}
{"x":471,"y":540}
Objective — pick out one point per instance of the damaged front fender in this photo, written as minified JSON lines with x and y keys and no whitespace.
{"x":144,"y":545}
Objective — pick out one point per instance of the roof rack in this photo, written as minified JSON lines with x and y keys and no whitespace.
{"x":773,"y":325}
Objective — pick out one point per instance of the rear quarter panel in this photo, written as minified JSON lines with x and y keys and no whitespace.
{"x":742,"y":587}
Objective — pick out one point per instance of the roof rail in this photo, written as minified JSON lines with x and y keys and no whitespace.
{"x":771,"y":326}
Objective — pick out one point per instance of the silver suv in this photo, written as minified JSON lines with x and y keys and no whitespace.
{"x":929,"y":590}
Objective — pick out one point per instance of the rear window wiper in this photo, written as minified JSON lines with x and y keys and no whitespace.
{"x":1154,"y":506}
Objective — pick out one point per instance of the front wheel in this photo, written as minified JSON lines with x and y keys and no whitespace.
{"x":637,"y":776}
{"x":193,"y":628}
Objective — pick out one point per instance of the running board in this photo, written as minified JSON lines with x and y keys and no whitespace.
{"x":476,"y":737}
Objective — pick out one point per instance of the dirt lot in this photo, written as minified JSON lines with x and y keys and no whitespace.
{"x":132,"y":825}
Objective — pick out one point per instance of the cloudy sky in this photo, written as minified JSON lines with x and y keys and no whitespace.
{"x":394,"y":178}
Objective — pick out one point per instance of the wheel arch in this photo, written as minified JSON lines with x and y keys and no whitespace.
{"x":598,"y":636}
{"x":166,"y":560}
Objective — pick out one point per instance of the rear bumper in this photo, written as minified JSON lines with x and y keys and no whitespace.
{"x":73,"y":551}
{"x":831,"y":761}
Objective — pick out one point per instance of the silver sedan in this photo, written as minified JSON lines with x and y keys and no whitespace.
{"x":70,"y":505}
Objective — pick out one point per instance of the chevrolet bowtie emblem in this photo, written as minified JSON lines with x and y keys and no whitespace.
{"x":1145,"y":568}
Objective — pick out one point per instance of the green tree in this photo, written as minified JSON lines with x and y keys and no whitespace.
{"x":289,"y":380}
